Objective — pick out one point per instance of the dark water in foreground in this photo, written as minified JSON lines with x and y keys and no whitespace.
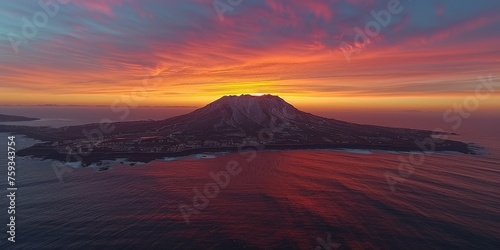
{"x":279,"y":200}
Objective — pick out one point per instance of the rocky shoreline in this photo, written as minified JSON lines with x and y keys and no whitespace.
{"x":45,"y":151}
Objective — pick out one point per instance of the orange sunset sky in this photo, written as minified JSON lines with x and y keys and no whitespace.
{"x":428,"y":56}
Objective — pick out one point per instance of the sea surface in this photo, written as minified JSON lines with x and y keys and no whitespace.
{"x":302,"y":199}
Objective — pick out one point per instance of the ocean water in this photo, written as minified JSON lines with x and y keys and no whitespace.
{"x":301,"y":199}
{"x":59,"y":116}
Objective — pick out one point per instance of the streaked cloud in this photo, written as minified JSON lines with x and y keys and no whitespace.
{"x":92,"y":51}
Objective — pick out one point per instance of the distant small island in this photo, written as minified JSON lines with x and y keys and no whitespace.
{"x":15,"y":118}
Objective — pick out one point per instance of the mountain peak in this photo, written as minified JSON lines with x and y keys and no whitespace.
{"x":252,"y":102}
{"x":248,"y":109}
{"x":249,"y":96}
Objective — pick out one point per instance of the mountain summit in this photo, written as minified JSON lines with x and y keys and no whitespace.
{"x":246,"y":115}
{"x":257,"y":107}
{"x":248,"y":110}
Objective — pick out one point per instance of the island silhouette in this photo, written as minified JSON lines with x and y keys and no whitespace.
{"x":230,"y":123}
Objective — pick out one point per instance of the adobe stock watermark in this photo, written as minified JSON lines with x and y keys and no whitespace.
{"x":221,"y":179}
{"x":40,"y":19}
{"x":454,"y":116}
{"x":223,"y":6}
{"x":372,"y":29}
{"x":326,"y":245}
{"x":94,"y":137}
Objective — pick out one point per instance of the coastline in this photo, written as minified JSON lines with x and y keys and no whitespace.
{"x":98,"y":156}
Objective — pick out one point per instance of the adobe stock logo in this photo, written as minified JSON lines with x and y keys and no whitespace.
{"x":363,"y":38}
{"x":222,"y":7}
{"x":210,"y":191}
{"x":31,"y":26}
